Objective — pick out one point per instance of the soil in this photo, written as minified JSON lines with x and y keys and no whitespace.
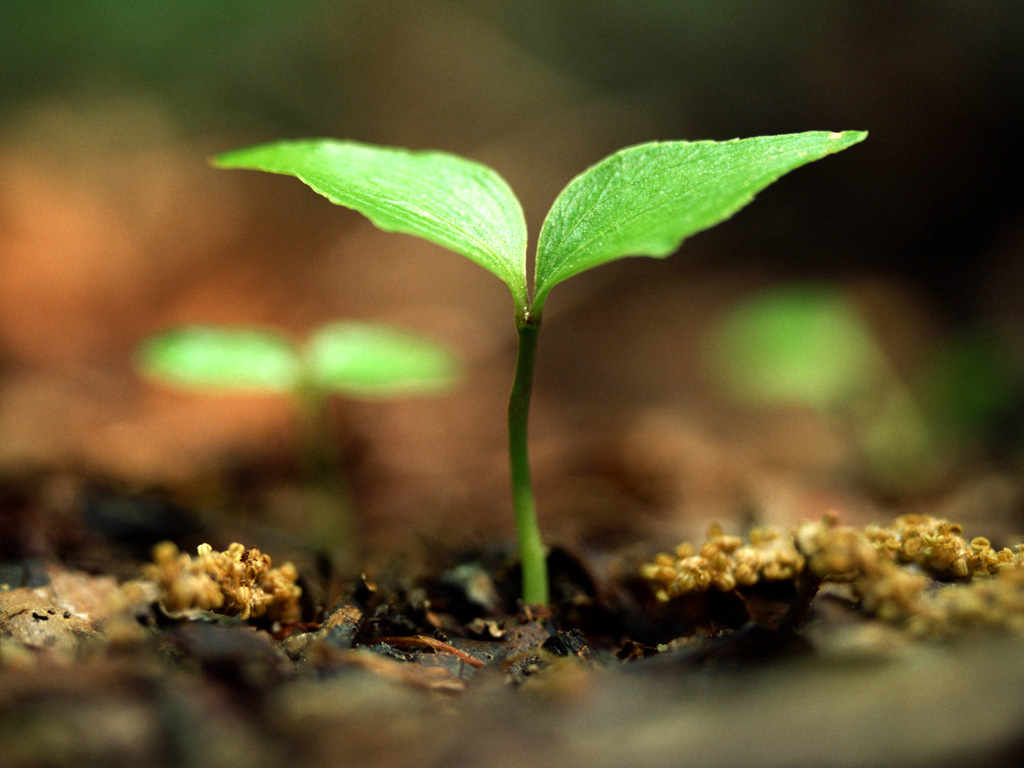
{"x":430,"y":660}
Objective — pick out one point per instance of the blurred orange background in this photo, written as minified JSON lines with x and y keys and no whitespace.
{"x":113,"y":226}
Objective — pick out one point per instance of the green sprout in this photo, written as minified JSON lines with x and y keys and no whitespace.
{"x":806,"y":345}
{"x":640,"y":201}
{"x":354,"y":359}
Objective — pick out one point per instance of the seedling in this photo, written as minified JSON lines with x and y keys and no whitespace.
{"x":640,"y":201}
{"x":806,"y":346}
{"x":346,"y":358}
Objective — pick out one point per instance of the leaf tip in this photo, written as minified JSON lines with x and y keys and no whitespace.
{"x":847,"y":138}
{"x":225,"y":159}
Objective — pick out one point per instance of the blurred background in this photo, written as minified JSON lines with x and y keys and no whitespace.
{"x":894,"y":268}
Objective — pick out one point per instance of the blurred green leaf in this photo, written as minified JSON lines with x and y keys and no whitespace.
{"x":373,"y":361}
{"x":969,"y":382}
{"x":800,"y":345}
{"x":807,"y":346}
{"x":644,"y":200}
{"x":459,"y":204}
{"x":202,"y":357}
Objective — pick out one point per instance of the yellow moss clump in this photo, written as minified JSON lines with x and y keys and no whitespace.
{"x":724,"y":562}
{"x":939,"y":548}
{"x":236,"y":582}
{"x":890,"y":570}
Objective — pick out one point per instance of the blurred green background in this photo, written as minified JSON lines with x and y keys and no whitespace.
{"x":112,"y":226}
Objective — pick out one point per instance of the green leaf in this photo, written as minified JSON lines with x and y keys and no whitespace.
{"x":368,"y":360}
{"x":644,"y":200}
{"x":201,"y":357}
{"x":459,"y":204}
{"x":969,"y":383}
{"x":800,"y":345}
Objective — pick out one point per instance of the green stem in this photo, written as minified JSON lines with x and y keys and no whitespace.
{"x":329,"y":505}
{"x":531,"y":549}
